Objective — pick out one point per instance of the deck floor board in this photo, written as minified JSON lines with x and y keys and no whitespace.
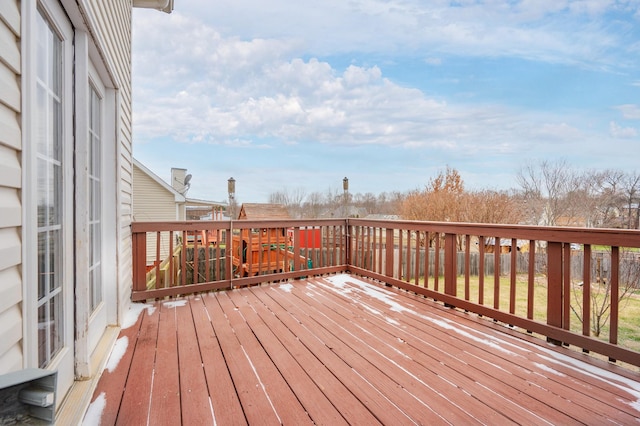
{"x":344,"y":350}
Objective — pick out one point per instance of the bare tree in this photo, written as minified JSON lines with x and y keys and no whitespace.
{"x":631,"y":193}
{"x":545,"y":187}
{"x":291,"y":199}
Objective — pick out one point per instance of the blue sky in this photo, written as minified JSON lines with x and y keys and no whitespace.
{"x":287,"y":95}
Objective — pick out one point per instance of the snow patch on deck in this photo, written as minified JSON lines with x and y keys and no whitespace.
{"x":286,"y":287}
{"x":94,"y":413}
{"x":119,"y":349}
{"x":175,"y":303}
{"x":132,"y":315}
{"x":345,"y":282}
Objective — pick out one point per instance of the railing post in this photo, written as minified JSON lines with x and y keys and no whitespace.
{"x":347,"y":243}
{"x":554,"y":287}
{"x":389,"y":246}
{"x":450,"y":270}
{"x":139,"y":249}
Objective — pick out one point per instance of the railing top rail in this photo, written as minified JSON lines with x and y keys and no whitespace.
{"x":137,"y":226}
{"x":598,"y":236}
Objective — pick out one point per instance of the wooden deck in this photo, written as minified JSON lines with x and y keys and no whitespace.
{"x":342,"y":350}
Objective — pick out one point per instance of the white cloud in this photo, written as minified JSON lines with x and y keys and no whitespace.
{"x":618,"y":132}
{"x":238,"y":90}
{"x":629,"y":111}
{"x":557,"y":30}
{"x":433,"y":61}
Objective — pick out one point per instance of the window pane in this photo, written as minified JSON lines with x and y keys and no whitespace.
{"x":95,"y":197}
{"x":43,"y":333}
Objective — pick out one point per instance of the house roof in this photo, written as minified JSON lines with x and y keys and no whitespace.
{"x":258,"y":211}
{"x":178,"y":196}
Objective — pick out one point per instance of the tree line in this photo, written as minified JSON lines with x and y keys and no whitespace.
{"x":548,"y":193}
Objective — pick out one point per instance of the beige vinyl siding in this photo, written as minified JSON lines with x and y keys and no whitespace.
{"x":11,"y":329}
{"x":111,"y":24}
{"x":151,"y":203}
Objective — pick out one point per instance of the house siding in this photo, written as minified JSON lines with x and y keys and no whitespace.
{"x":11,"y":354}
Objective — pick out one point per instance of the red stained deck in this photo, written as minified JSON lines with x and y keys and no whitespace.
{"x":343,"y":350}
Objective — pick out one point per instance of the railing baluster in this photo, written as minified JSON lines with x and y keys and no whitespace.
{"x":497,"y":251}
{"x":400,"y":247}
{"x":481,"y":244}
{"x":566,"y":286}
{"x":513,"y":269}
{"x":417,"y":258}
{"x":389,"y":244}
{"x":436,"y":266}
{"x":615,"y":295}
{"x":531,"y":279}
{"x":156,"y":262}
{"x":586,"y":291}
{"x":172,"y":267}
{"x":467,"y":267}
{"x":427,"y":258}
{"x":183,"y":254}
{"x":207,"y":260}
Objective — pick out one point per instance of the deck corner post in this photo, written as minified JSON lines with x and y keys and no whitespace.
{"x":139,"y":248}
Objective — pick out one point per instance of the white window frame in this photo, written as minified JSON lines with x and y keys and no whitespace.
{"x":58,"y":19}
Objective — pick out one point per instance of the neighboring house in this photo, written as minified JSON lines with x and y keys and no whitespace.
{"x":153,"y":198}
{"x":65,"y":185}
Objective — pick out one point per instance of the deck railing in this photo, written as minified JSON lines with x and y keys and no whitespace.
{"x":560,"y":283}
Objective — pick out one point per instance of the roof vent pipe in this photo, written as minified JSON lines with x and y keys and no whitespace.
{"x":163,"y":5}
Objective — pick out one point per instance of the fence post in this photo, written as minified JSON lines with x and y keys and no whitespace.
{"x":450,"y":271}
{"x":554,"y":287}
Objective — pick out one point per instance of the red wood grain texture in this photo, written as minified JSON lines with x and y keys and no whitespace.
{"x":112,"y":383}
{"x":134,"y":408}
{"x":347,"y":350}
{"x":194,"y":393}
{"x":165,"y":394}
{"x":224,"y":399}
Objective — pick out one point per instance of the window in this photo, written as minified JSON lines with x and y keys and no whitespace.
{"x":50,"y":192}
